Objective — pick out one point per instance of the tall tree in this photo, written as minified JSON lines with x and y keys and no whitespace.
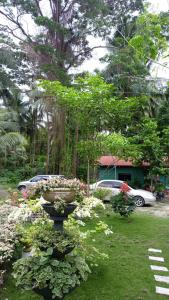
{"x":59,"y":41}
{"x":61,"y":27}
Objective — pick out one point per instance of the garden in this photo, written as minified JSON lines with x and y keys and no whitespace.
{"x":72,"y":246}
{"x":80,"y":80}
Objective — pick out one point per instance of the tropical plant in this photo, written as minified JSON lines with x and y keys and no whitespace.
{"x":43,"y":272}
{"x":123,"y":204}
{"x":101,"y":193}
{"x":42,"y":236}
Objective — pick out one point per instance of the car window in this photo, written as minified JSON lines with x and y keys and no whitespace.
{"x":38,"y":178}
{"x":106,"y":184}
{"x":116,"y":184}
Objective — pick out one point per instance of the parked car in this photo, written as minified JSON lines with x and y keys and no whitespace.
{"x":32,"y":182}
{"x":141,"y":196}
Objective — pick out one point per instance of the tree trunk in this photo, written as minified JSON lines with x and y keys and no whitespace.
{"x":74,"y":166}
{"x":48,"y":145}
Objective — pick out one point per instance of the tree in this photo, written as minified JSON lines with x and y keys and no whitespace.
{"x":63,"y":28}
{"x":11,"y":141}
{"x":92,"y":109}
{"x":59,"y":42}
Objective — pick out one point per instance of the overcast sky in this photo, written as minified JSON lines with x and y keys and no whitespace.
{"x":92,"y":64}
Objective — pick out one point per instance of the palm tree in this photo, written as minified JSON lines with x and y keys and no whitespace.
{"x":11,"y":141}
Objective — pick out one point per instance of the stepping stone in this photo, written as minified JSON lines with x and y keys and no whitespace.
{"x":154,"y":250}
{"x":158,"y":268}
{"x":162,"y":291}
{"x":156,"y":258}
{"x":162,"y":278}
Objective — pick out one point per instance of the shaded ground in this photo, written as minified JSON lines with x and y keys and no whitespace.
{"x":159,"y":209}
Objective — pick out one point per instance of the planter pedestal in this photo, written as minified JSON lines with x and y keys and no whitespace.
{"x":56,"y":216}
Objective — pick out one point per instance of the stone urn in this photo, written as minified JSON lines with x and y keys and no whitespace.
{"x":65,"y":194}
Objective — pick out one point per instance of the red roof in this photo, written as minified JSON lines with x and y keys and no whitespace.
{"x":115,"y":161}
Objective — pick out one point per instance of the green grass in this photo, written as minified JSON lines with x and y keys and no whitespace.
{"x":126,"y":275}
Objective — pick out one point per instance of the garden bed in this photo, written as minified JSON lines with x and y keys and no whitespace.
{"x":128,"y":262}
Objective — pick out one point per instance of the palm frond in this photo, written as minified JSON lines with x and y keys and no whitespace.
{"x":10,"y":140}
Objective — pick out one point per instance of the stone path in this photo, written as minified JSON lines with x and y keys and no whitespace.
{"x":159,"y":278}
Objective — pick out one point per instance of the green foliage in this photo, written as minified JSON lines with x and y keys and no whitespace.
{"x":66,"y":30}
{"x":150,"y":39}
{"x":141,"y":233}
{"x":10,"y":176}
{"x":43,"y":237}
{"x":59,"y":276}
{"x":102,"y":194}
{"x":123,"y":204}
{"x":148,"y":141}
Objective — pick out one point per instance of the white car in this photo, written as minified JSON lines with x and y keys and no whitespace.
{"x":141,"y":196}
{"x":32,"y":182}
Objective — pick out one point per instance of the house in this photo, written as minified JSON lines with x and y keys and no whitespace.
{"x":111,"y":167}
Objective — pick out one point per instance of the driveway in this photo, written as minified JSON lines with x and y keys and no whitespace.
{"x":159,"y":209}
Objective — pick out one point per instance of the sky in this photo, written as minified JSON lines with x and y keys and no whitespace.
{"x":93,"y":63}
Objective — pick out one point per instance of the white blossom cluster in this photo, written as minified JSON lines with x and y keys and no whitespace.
{"x":87,"y":208}
{"x":55,"y":183}
{"x":9,"y":217}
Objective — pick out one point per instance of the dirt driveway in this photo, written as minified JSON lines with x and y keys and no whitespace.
{"x":159,"y":209}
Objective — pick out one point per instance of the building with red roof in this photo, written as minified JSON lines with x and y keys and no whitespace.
{"x":112,"y":167}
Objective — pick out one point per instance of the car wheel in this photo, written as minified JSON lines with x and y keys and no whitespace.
{"x":139,"y":201}
{"x":22,"y":188}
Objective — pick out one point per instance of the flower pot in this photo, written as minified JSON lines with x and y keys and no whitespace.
{"x":65,"y":194}
{"x":61,"y":255}
{"x":46,"y":293}
{"x":58,"y":254}
{"x":53,"y":212}
{"x":26,"y":254}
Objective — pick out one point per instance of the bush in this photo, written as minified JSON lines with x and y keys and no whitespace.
{"x":102,"y":194}
{"x":59,"y":276}
{"x":123,"y":204}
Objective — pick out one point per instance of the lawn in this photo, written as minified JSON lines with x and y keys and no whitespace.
{"x":126,"y":274}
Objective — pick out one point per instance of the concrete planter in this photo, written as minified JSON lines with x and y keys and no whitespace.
{"x":66,"y":194}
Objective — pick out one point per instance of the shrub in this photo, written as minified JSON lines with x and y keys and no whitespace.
{"x":123,"y":204}
{"x":102,"y":194}
{"x":41,"y":272}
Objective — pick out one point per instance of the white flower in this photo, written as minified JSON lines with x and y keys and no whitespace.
{"x":108,"y":231}
{"x":80,"y":222}
{"x":87,"y":208}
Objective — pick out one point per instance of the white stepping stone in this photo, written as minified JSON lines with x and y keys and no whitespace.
{"x":156,"y":258}
{"x":162,"y":278}
{"x":162,"y":291}
{"x":158,"y":268}
{"x":154,"y":250}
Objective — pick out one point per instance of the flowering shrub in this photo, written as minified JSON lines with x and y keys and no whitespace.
{"x":55,"y":183}
{"x":123,"y":204}
{"x":85,"y":239}
{"x":7,"y":238}
{"x":87,"y":208}
{"x":9,"y":217}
